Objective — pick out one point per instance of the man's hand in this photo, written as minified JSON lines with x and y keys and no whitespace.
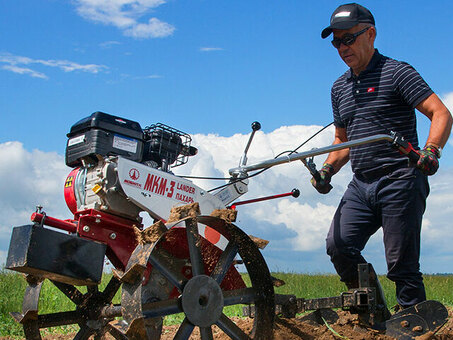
{"x":323,"y":185}
{"x":428,"y":162}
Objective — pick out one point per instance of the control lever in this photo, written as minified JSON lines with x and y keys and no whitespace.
{"x":255,"y":127}
{"x":311,"y":166}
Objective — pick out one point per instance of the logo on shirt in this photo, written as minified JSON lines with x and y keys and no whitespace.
{"x":370,"y":89}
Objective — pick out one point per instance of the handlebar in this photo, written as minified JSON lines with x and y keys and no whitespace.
{"x":397,"y":141}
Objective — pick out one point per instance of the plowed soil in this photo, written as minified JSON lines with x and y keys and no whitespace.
{"x":346,"y":327}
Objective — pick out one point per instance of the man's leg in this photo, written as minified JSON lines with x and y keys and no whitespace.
{"x":353,"y":224}
{"x":403,"y":197}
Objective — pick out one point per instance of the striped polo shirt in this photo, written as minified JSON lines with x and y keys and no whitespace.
{"x":381,"y":99}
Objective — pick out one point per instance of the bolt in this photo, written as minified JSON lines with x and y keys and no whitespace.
{"x":98,"y":220}
{"x":112,"y":236}
{"x":86,"y":228}
{"x":404,"y":323}
{"x":188,"y":271}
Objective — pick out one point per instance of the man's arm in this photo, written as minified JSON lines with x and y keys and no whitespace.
{"x":333,"y":163}
{"x":339,"y":158}
{"x":441,"y":120}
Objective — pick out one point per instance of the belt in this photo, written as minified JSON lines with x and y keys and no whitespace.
{"x":373,"y":174}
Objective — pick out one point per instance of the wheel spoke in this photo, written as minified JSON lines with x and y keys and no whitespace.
{"x":161,"y":308}
{"x":224,"y":263}
{"x":31,"y":330}
{"x":118,"y":335}
{"x":184,"y":330}
{"x":70,"y":291}
{"x":93,"y":289}
{"x":165,"y":267}
{"x":84,"y":333}
{"x":111,"y":289}
{"x":239,"y":296}
{"x":194,"y":243}
{"x":206,"y":333}
{"x":59,"y":319}
{"x":231,"y":329}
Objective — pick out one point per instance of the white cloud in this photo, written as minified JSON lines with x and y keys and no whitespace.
{"x":125,"y":15}
{"x":210,"y":49}
{"x":24,"y":70}
{"x":28,"y":179}
{"x":153,"y":29}
{"x":109,"y":44}
{"x":14,"y":64}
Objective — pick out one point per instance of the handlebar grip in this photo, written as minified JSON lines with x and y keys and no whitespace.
{"x":413,"y":155}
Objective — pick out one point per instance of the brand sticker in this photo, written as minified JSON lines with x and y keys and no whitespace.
{"x":76,"y":140}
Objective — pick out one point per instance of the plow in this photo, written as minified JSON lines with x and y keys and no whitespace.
{"x":193,"y":260}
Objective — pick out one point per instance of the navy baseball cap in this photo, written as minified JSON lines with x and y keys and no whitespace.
{"x":347,"y":16}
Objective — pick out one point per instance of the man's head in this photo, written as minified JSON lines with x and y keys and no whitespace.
{"x":354,"y":33}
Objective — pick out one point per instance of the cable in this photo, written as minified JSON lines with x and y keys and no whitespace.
{"x":262,"y":170}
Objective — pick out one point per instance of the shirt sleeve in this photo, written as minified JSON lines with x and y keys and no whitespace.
{"x":411,"y":87}
{"x":336,"y":112}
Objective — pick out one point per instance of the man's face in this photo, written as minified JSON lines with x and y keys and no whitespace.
{"x":357,"y":55}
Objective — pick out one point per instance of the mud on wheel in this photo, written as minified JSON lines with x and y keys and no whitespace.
{"x":187,"y":274}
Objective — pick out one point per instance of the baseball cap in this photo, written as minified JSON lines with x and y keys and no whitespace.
{"x":347,"y":16}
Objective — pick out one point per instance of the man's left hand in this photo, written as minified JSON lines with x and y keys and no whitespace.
{"x":428,"y":162}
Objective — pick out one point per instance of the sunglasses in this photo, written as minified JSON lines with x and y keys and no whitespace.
{"x":348,"y":39}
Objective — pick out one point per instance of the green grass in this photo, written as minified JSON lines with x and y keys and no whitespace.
{"x":12,"y":287}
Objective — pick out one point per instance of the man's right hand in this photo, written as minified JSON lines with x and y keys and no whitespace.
{"x":323,"y":184}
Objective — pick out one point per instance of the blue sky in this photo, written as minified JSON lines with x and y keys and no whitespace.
{"x":208,"y":68}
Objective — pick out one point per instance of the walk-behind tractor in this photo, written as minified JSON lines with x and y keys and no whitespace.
{"x":186,"y":262}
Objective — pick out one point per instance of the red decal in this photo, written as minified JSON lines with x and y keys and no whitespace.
{"x":370,"y":89}
{"x":211,"y":235}
{"x":149,"y":182}
{"x":134,"y":174}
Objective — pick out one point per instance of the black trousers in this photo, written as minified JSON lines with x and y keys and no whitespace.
{"x":396,"y":202}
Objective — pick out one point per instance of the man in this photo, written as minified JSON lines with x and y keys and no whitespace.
{"x":378,"y":95}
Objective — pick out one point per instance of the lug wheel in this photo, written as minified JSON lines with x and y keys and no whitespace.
{"x":184,"y":273}
{"x":88,"y":312}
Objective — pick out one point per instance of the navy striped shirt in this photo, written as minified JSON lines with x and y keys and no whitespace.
{"x":381,"y":99}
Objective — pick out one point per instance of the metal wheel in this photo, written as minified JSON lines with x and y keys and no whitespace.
{"x":184,"y":273}
{"x":88,"y":313}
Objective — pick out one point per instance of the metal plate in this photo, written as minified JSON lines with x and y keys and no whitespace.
{"x":54,"y":255}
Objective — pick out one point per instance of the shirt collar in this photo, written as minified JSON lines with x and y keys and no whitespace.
{"x":375,"y":59}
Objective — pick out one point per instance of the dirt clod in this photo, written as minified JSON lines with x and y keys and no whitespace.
{"x":150,"y":234}
{"x":183,"y":211}
{"x":228,"y":215}
{"x":260,"y":243}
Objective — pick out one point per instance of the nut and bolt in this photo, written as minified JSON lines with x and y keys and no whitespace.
{"x":112,"y":236}
{"x":86,"y":228}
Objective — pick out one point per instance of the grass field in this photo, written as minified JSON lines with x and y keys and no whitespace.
{"x":12,"y":286}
